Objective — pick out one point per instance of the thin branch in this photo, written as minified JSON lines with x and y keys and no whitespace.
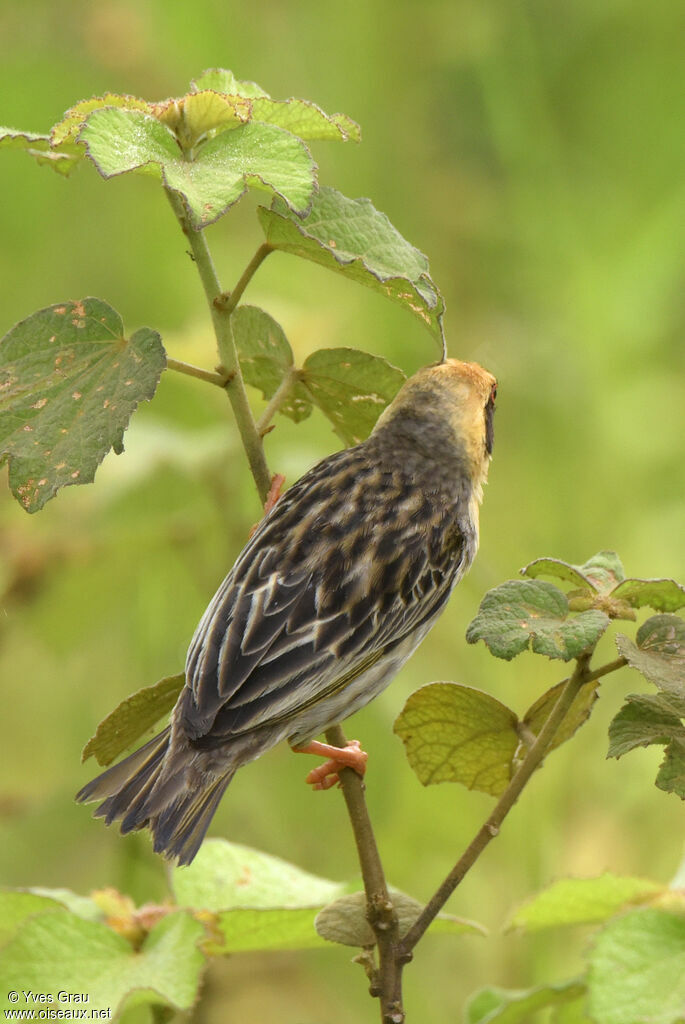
{"x":380,"y":911}
{"x":221,"y":318}
{"x":491,"y":827}
{"x":228,"y":301}
{"x":277,"y":400}
{"x":196,"y":371}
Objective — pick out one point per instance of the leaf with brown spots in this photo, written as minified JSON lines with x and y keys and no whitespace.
{"x":69,"y":382}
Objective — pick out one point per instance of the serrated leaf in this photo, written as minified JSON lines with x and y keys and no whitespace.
{"x":579,"y":712}
{"x":344,"y":921}
{"x":557,"y":569}
{"x":660,"y":652}
{"x":637,"y":969}
{"x":353,"y":238}
{"x":252,"y":155}
{"x":645,"y":719}
{"x":266,"y":359}
{"x":453,"y":733}
{"x":305,"y":119}
{"x":59,"y":951}
{"x":604,"y":570}
{"x":69,"y":383}
{"x":16,"y":906}
{"x":573,"y":901}
{"x":351,"y":388}
{"x":222,"y":80}
{"x":132,"y":718}
{"x":225,"y":875}
{"x":510,"y":1006}
{"x":532,"y":613}
{"x":661,"y":595}
{"x":68,"y":128}
{"x":38,"y":146}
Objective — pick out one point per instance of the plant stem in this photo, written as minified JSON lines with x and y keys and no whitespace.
{"x":230,"y":302}
{"x":221,"y":309}
{"x":196,"y":371}
{"x":379,"y":908}
{"x":491,"y":827}
{"x":279,"y":396}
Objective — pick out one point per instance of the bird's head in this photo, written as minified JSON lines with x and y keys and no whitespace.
{"x":448,"y":407}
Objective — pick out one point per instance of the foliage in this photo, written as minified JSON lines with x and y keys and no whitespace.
{"x":71,"y":380}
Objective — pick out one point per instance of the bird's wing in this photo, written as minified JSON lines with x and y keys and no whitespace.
{"x":315,"y":600}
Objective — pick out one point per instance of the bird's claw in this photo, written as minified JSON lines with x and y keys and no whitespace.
{"x":325,"y":775}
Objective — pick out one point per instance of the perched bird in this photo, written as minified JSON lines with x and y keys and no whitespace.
{"x":336,"y":588}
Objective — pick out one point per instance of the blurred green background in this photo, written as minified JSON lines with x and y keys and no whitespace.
{"x":535,"y":152}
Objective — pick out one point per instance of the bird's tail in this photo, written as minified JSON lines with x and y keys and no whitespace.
{"x":150,"y":790}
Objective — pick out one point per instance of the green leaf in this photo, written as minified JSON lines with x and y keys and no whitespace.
{"x":59,"y":951}
{"x":579,"y":712}
{"x":17,"y":905}
{"x":300,"y":117}
{"x":67,"y":130}
{"x":572,"y":901}
{"x":661,"y":595}
{"x":195,"y":116}
{"x":39,"y":147}
{"x":351,"y":237}
{"x":645,"y":719}
{"x":351,"y":388}
{"x":69,"y":383}
{"x":260,"y":902}
{"x":557,"y":569}
{"x":255,"y":155}
{"x":524,"y":613}
{"x":226,"y":875}
{"x":660,"y":652}
{"x":344,"y":921}
{"x":511,"y":1006}
{"x":132,"y":718}
{"x":453,"y":733}
{"x":637,"y":969}
{"x":266,"y":359}
{"x":600,"y":573}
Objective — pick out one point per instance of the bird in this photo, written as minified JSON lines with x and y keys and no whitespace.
{"x":333,"y":592}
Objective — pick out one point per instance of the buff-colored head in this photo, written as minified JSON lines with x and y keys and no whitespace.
{"x":457,"y":401}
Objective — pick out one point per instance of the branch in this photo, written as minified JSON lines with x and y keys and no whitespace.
{"x":196,"y":371}
{"x":221,"y":310}
{"x":380,"y":911}
{"x":491,"y":827}
{"x":229,"y":300}
{"x":277,"y":400}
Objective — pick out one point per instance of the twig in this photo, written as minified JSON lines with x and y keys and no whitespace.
{"x":491,"y":827}
{"x":230,"y":300}
{"x":277,"y":400}
{"x":221,"y":310}
{"x":196,"y":371}
{"x":380,"y":911}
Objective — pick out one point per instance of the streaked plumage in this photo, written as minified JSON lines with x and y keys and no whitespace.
{"x":339,"y":584}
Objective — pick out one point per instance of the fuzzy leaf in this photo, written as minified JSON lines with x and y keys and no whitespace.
{"x":69,"y":383}
{"x":524,"y":613}
{"x":515,"y":1006}
{"x":351,"y":388}
{"x":194,"y":116}
{"x":224,"y":81}
{"x":351,"y":237}
{"x":344,"y":920}
{"x":68,"y":128}
{"x":572,"y":901}
{"x":17,"y":905}
{"x":557,"y":569}
{"x":59,"y":951}
{"x":226,"y":875}
{"x":660,"y":652}
{"x":637,"y":969}
{"x":255,"y":155}
{"x":645,"y":719}
{"x":579,"y":712}
{"x":39,"y":147}
{"x":132,"y":718}
{"x":266,"y":359}
{"x":453,"y":733}
{"x":661,"y":595}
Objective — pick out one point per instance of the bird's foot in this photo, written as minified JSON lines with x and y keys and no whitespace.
{"x":326,"y":775}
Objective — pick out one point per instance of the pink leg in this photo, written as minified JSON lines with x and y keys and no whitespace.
{"x":326,"y":774}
